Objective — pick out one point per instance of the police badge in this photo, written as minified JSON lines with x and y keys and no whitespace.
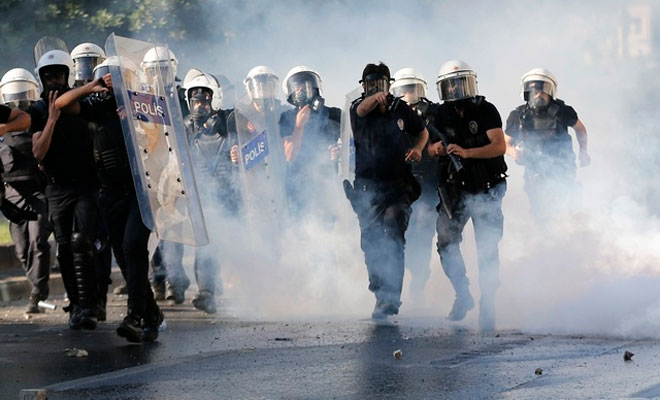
{"x":473,"y":127}
{"x":400,"y":124}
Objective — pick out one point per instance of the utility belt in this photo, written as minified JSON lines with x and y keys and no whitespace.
{"x":58,"y":180}
{"x":482,"y":187}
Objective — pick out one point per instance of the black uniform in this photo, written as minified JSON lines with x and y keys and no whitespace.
{"x":24,"y":186}
{"x":546,"y":153}
{"x":119,"y":205}
{"x":475,"y":193}
{"x":383,"y":192}
{"x":308,"y":175}
{"x":419,"y":237}
{"x":72,"y":208}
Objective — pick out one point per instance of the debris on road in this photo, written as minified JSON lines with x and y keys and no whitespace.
{"x":75,"y":352}
{"x":539,"y":371}
{"x":398,"y":354}
{"x":627,"y":356}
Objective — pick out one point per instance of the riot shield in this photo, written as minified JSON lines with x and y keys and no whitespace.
{"x":155,"y":138}
{"x":262,"y":162}
{"x":347,"y":149}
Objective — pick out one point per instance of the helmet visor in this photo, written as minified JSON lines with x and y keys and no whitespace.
{"x":83,"y":68}
{"x":410,"y":93}
{"x":302,"y":88}
{"x":262,"y":87}
{"x":21,"y":90}
{"x":457,"y":87}
{"x":165,"y":72}
{"x":530,"y":87}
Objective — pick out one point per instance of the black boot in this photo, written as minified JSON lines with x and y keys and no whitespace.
{"x":205,"y":301}
{"x":130,"y":328}
{"x":151,"y":323}
{"x":83,"y":265}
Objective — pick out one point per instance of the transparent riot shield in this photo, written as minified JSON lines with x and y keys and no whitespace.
{"x":262,"y":162}
{"x":155,"y":138}
{"x":347,"y":149}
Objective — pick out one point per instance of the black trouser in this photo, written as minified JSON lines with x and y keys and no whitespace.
{"x":419,"y":238}
{"x":73,"y":212}
{"x":485,"y":210}
{"x":103,"y":258}
{"x":129,"y":237}
{"x":383,"y":218}
{"x":31,"y":237}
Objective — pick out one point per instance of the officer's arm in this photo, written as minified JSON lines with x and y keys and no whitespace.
{"x":581,"y":135}
{"x":41,"y":140}
{"x":495,"y":148}
{"x":293,"y":142}
{"x":18,"y":121}
{"x":68,"y":102}
{"x":423,"y":138}
{"x":510,"y":146}
{"x":371,"y":102}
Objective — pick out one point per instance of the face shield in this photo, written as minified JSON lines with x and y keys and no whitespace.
{"x":83,"y":68}
{"x":164,"y":70}
{"x":411,"y":93}
{"x":375,"y":83}
{"x":303,"y":87}
{"x":20,"y":101}
{"x":262,"y":87}
{"x":457,"y":88}
{"x":199,"y":103}
{"x":537,"y":94}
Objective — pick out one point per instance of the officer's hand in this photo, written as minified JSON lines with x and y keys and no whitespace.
{"x":436,"y":149}
{"x":233,"y":153}
{"x":303,"y":116}
{"x":53,"y":111}
{"x":213,"y":123}
{"x":334,"y":152}
{"x":381,"y":98}
{"x":413,"y":155}
{"x":107,"y":78}
{"x":585,"y":159}
{"x":97,"y":86}
{"x":458,"y":150}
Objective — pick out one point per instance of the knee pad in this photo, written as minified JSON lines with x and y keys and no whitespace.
{"x":80,"y":243}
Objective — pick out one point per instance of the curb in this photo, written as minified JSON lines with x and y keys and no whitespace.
{"x":18,"y":288}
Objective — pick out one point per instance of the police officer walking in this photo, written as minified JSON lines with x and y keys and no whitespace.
{"x":538,"y":139}
{"x":388,"y":134}
{"x":24,"y":183}
{"x":308,"y":132}
{"x":214,"y":152}
{"x":63,"y":146}
{"x":471,"y":186}
{"x":128,"y":234}
{"x":24,"y":187}
{"x":410,"y":86}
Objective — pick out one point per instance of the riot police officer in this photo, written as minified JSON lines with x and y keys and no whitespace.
{"x":387,"y":134}
{"x":538,"y":139}
{"x":214,"y":152}
{"x":24,"y":186}
{"x":86,"y":56}
{"x":308,"y":132}
{"x":411,"y":87}
{"x":128,"y":234}
{"x":63,"y":145}
{"x":471,"y":186}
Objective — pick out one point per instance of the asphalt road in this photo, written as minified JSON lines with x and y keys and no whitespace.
{"x":198,"y":357}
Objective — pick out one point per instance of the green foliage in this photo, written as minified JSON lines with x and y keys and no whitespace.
{"x":26,"y":21}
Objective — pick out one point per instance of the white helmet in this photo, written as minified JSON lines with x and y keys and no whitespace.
{"x":162,"y":58}
{"x":538,"y":79}
{"x":261,"y":83}
{"x":86,"y":56}
{"x":301,"y":84}
{"x":131,"y":78}
{"x":18,"y":85}
{"x":456,"y":80}
{"x":409,"y":84}
{"x":51,"y":51}
{"x":195,"y":78}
